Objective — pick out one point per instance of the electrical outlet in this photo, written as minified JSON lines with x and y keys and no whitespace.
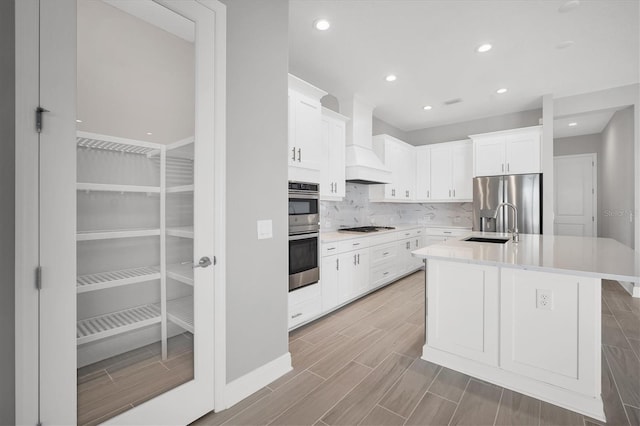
{"x":544,"y":299}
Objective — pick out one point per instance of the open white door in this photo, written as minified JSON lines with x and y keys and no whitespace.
{"x":575,"y":195}
{"x":129,"y":323}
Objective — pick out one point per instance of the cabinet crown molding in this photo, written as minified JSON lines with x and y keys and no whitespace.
{"x":305,"y":88}
{"x":507,"y":131}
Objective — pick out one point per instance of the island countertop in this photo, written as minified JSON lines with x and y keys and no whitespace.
{"x":585,"y":256}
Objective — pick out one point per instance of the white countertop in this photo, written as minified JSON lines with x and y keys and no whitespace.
{"x":333,"y":236}
{"x":586,"y":256}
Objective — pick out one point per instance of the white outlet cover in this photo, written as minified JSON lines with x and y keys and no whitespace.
{"x":544,"y":299}
{"x":265,"y":229}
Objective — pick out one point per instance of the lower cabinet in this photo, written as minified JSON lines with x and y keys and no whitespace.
{"x":463,"y":305}
{"x":304,"y":304}
{"x":329,"y":272}
{"x":353,"y":274}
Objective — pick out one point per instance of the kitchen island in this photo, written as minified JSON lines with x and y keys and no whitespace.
{"x":526,"y":315}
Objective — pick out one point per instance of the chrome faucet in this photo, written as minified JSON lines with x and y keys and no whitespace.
{"x":515,"y":237}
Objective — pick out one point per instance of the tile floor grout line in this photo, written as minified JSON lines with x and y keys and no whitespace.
{"x":499,"y":403}
{"x":460,"y":403}
{"x":539,"y":413}
{"x":392,"y":412}
{"x":615,"y":383}
{"x":425,"y":392}
{"x":226,"y":422}
{"x":625,"y":335}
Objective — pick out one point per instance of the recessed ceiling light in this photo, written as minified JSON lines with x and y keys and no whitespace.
{"x":149,"y":133}
{"x":391,"y":77}
{"x":427,"y":107}
{"x":573,"y":124}
{"x":565,"y":44}
{"x":321,"y":24}
{"x":78,"y":121}
{"x":501,"y":91}
{"x":484,"y":48}
{"x":569,"y":6}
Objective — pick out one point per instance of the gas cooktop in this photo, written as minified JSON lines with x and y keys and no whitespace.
{"x":366,"y":229}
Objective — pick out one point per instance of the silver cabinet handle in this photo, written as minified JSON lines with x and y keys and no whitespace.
{"x":358,"y":258}
{"x":337,"y":264}
{"x":203,"y":263}
{"x":449,"y":193}
{"x":427,"y":193}
{"x":507,"y":166}
{"x":355,"y":244}
{"x":407,"y":234}
{"x":408,"y":245}
{"x":446,"y":232}
{"x":454,"y":192}
{"x":385,"y":253}
{"x":393,"y":192}
{"x":331,"y":248}
{"x":354,"y":259}
{"x":299,"y":155}
{"x":416,"y":243}
{"x":406,"y":194}
{"x":296,"y":315}
{"x":386,"y":273}
{"x":503,"y":167}
{"x":294,"y":153}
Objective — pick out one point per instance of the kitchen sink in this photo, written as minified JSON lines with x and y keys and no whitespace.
{"x":486,"y":240}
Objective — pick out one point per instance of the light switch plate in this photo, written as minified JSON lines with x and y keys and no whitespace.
{"x":265,"y":229}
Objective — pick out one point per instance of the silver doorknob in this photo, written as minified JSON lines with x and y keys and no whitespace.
{"x":203,"y":263}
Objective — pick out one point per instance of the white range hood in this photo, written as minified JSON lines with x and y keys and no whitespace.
{"x":362,"y":164}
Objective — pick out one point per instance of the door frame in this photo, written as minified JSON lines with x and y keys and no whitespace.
{"x":27,"y":201}
{"x":594,"y":176}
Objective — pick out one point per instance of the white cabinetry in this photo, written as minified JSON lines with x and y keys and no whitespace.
{"x":332,"y":149}
{"x":399,"y":157}
{"x":304,"y":304}
{"x":450,"y":171}
{"x":463,"y":306}
{"x":423,"y":173}
{"x":305,"y":119}
{"x":515,"y":151}
{"x":353,"y":269}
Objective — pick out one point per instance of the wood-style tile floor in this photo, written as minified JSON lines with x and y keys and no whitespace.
{"x":361,"y":366}
{"x":115,"y":385}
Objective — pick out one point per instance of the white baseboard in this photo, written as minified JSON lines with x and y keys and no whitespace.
{"x":252,"y":382}
{"x":633,"y":290}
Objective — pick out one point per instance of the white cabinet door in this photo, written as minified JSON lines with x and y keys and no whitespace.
{"x":489,"y":156}
{"x":407,"y":168}
{"x":337,"y":133}
{"x":423,"y":173}
{"x":522,"y":151}
{"x":326,"y":182}
{"x":329,"y":271}
{"x":306,"y":131}
{"x":347,"y":263}
{"x":361,"y":279}
{"x":441,"y":173}
{"x":462,"y":171}
{"x":399,"y":157}
{"x":463,"y":306}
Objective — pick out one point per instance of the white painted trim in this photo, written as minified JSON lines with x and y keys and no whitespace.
{"x":633,"y":290}
{"x":592,"y":407}
{"x":251,"y":382}
{"x":26,"y":208}
{"x":220,"y":161}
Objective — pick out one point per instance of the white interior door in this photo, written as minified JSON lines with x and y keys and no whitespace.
{"x":130,"y":162}
{"x":575,"y":195}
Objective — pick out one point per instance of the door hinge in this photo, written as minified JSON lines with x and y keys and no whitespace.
{"x":39,"y":278}
{"x":39,"y":112}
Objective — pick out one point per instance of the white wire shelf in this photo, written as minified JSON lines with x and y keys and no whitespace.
{"x":96,"y":328}
{"x":110,"y":279}
{"x":82,"y":186}
{"x":178,"y":189}
{"x":180,"y":312}
{"x":181,"y":231}
{"x":180,"y":272}
{"x":108,"y":235}
{"x":112,"y":143}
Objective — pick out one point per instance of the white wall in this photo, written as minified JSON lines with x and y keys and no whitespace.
{"x":617,"y":191}
{"x":462,"y":130}
{"x":584,"y":144}
{"x":383,"y":128}
{"x":133,"y":77}
{"x":257,"y":271}
{"x":7,"y":215}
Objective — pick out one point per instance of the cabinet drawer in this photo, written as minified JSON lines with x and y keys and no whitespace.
{"x":381,"y":253}
{"x":329,"y":249}
{"x":383,"y":274}
{"x":360,"y":243}
{"x":447,"y":232}
{"x":303,"y":294}
{"x":304,"y":311}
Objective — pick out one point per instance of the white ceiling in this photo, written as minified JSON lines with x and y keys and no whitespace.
{"x":430,"y":45}
{"x":586,"y":124}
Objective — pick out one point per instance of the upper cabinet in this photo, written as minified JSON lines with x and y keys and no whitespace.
{"x":444,"y":172}
{"x":400,"y":158}
{"x":305,"y":118}
{"x":332,"y":150}
{"x":515,"y":151}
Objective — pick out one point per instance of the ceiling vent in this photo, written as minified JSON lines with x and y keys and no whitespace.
{"x":453,"y":101}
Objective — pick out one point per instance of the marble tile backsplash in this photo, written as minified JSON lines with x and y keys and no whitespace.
{"x":356,"y":210}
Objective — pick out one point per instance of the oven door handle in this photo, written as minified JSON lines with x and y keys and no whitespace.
{"x":303,"y":236}
{"x":304,"y":195}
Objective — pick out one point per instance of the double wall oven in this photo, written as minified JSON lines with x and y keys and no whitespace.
{"x":304,"y":230}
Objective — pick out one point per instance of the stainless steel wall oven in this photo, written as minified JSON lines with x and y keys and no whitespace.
{"x":304,"y":227}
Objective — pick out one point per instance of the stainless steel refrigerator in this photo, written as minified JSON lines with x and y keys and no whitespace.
{"x":523,"y":191}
